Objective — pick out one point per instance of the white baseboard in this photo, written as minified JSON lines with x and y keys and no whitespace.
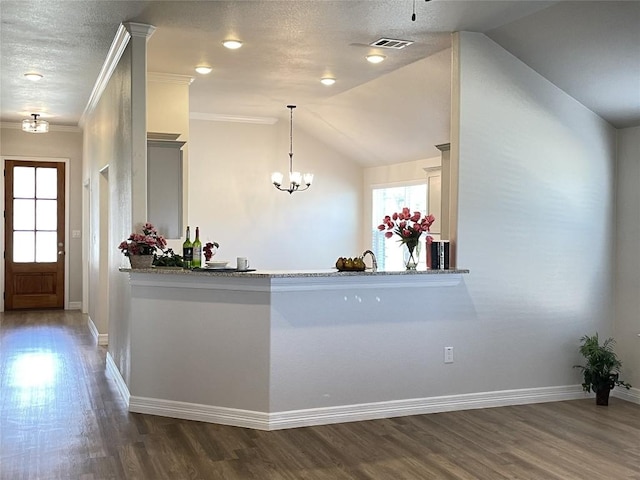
{"x":632,"y":395}
{"x":351,"y":413}
{"x":202,"y":413}
{"x":75,"y":305}
{"x":100,"y":338}
{"x":117,"y":377}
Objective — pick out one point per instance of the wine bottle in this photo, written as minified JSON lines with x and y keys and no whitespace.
{"x":197,"y":250}
{"x":187,"y":251}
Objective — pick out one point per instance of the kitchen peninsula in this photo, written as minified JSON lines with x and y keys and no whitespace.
{"x":271,"y":350}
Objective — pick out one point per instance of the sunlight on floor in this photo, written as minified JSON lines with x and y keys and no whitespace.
{"x":34,"y":374}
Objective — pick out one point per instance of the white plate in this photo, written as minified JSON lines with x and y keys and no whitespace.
{"x":217,"y":263}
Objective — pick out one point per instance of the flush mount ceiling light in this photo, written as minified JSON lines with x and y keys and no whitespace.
{"x":232,"y":44}
{"x":34,"y":77}
{"x":33,"y":125}
{"x":203,"y":69}
{"x":296,"y":179}
{"x":328,"y":81}
{"x":375,"y":58}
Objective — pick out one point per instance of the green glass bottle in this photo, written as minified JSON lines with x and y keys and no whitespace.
{"x":187,"y":251}
{"x":197,"y":250}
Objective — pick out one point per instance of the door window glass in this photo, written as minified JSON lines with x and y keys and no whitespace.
{"x":24,"y":214}
{"x":46,"y":246}
{"x":46,"y":183}
{"x":24,"y":245}
{"x":24,"y":182}
{"x":35,"y":221}
{"x":47,"y":215}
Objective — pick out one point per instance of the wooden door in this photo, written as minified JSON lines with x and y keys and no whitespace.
{"x":34,"y":234}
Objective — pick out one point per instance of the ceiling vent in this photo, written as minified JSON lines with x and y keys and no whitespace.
{"x":390,"y":43}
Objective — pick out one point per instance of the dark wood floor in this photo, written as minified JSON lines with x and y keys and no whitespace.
{"x":61,"y":418}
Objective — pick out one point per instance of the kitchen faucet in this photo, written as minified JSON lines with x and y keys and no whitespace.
{"x":374,"y":262}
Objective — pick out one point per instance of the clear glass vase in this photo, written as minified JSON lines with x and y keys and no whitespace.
{"x":411,"y":254}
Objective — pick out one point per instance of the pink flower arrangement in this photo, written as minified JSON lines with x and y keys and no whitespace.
{"x":144,"y":243}
{"x":408,"y":226}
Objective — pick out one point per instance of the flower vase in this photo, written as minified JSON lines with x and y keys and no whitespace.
{"x":140,"y":261}
{"x":411,"y":254}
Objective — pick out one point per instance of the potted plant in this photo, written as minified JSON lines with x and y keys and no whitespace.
{"x":141,"y":247}
{"x":602,"y":370}
{"x":168,"y":259}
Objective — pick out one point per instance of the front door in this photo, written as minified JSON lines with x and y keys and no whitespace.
{"x":34,"y":234}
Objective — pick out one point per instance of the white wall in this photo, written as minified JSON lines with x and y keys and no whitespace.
{"x":108,"y":142}
{"x":232,"y":200}
{"x":115,"y":147}
{"x":535,"y":224}
{"x":63,"y":144}
{"x":627,"y":320}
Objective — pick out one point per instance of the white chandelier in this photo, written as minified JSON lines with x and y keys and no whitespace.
{"x":33,"y":125}
{"x":296,"y":179}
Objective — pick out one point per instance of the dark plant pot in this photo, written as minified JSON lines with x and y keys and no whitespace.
{"x":602,"y":397}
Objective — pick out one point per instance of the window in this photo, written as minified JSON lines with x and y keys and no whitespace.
{"x":35,"y":215}
{"x":385,"y":201}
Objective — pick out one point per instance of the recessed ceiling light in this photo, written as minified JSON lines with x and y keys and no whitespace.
{"x":232,"y":44}
{"x":203,"y":69}
{"x":375,"y":58}
{"x":328,"y":81}
{"x":34,"y":77}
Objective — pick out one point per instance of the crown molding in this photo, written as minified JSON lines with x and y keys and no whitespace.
{"x":220,"y":117}
{"x":120,"y":42}
{"x":139,"y":29}
{"x":444,"y":147}
{"x":52,"y":128}
{"x":169,"y":78}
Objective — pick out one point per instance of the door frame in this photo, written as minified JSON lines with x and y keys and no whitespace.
{"x":68,"y":239}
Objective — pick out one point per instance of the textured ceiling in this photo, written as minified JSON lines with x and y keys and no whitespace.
{"x":391,"y":112}
{"x":591,"y":50}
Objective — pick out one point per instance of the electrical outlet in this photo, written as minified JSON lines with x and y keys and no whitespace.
{"x":448,"y":354}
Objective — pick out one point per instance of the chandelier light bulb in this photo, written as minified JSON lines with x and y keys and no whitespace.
{"x":308,"y":178}
{"x":295,"y":178}
{"x":276,"y":178}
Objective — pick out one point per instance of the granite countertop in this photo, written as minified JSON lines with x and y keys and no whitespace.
{"x":287,"y":273}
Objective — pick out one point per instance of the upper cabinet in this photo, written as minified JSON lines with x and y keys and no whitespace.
{"x":164,"y":186}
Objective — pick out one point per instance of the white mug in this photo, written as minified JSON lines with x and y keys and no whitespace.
{"x":242,"y":263}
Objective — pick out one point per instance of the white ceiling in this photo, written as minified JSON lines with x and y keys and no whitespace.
{"x":379,"y":114}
